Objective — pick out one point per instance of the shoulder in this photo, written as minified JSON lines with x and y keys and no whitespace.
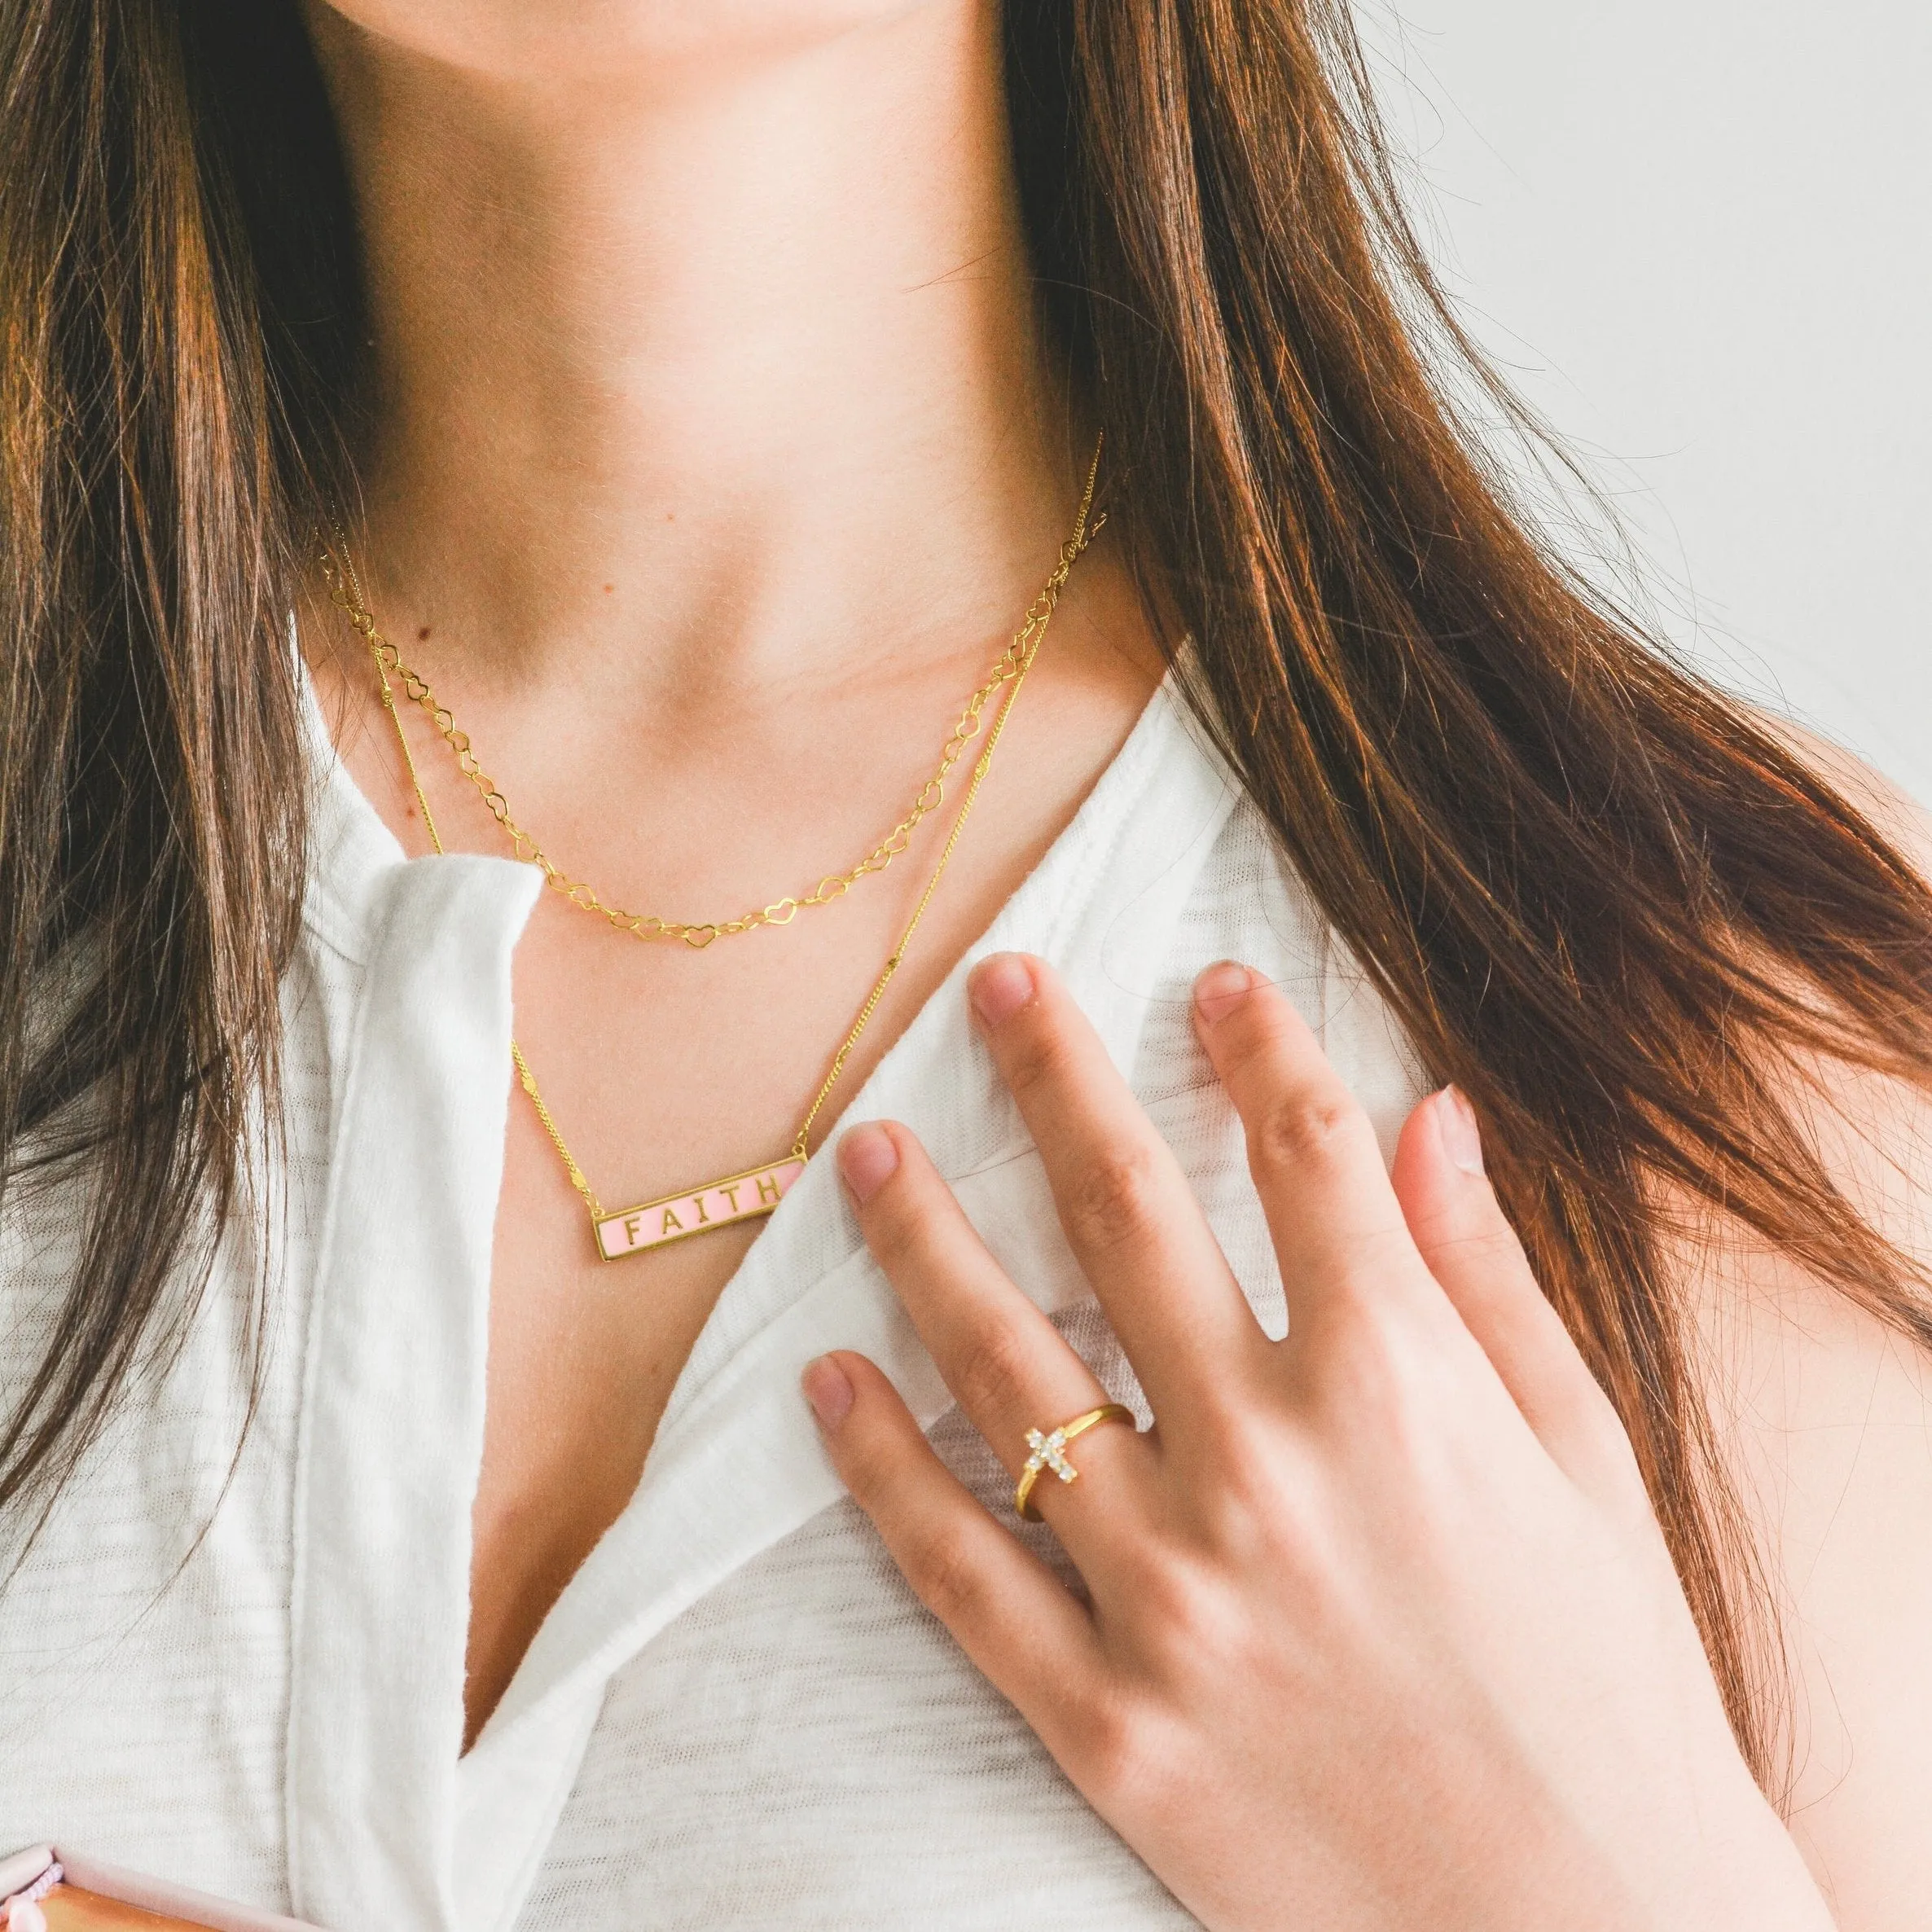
{"x":1823,"y":1416}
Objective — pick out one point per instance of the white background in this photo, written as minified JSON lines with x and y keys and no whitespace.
{"x":1697,"y":233}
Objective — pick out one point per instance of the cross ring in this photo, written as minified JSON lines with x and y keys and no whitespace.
{"x":1048,"y":1450}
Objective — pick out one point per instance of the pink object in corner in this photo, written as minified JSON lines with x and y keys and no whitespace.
{"x":27,"y":1875}
{"x":25,"y":1879}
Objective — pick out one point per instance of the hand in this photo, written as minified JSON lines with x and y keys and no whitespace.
{"x":1381,"y":1632}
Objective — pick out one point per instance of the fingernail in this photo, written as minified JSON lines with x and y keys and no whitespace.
{"x":1455,"y":1122}
{"x":829,"y":1391}
{"x":1220,"y":989}
{"x":1000,"y":987}
{"x":867,"y":1159}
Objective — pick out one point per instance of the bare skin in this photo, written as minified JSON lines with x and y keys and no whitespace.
{"x":718,"y":457}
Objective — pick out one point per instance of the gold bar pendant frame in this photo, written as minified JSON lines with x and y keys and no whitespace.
{"x":697,"y":1211}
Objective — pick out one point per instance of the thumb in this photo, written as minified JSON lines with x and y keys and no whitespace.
{"x":1456,"y":1222}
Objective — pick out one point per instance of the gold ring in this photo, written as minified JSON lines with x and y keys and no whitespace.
{"x":1049,"y":1451}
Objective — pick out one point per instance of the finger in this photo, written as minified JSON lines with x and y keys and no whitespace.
{"x":1008,"y":1365}
{"x":1130,"y":1216}
{"x":1009,"y":1612}
{"x":1469,"y":1247}
{"x":1339,"y":1230}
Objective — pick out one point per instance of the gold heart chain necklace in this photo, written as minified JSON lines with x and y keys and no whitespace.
{"x":757,"y":1191}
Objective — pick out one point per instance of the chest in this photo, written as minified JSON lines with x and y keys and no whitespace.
{"x":661,"y":1067}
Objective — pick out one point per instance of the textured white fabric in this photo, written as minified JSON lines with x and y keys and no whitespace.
{"x":736,"y":1715}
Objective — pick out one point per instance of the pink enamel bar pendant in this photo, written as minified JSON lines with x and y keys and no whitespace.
{"x":717,"y":1203}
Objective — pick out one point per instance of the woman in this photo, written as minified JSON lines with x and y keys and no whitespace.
{"x":692,"y":399}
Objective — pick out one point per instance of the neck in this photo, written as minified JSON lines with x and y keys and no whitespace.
{"x":699,"y":361}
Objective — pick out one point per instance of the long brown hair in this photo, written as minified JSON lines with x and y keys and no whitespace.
{"x":1596,"y":893}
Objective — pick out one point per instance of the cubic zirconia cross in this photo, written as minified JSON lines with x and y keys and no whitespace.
{"x":1048,"y":1453}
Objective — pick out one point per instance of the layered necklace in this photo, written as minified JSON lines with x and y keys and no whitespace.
{"x":752,"y":1192}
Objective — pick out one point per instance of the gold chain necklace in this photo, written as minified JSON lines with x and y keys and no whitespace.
{"x":345,"y":590}
{"x":757,"y":1191}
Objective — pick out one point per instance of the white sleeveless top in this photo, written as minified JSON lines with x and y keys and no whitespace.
{"x":737,"y":1715}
